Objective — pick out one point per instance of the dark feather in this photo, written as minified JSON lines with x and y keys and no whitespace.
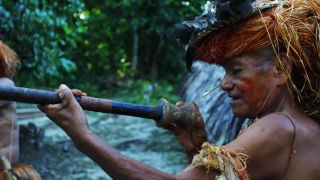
{"x":216,"y":16}
{"x":182,"y":32}
{"x":233,"y":11}
{"x":189,"y":57}
{"x":223,"y":13}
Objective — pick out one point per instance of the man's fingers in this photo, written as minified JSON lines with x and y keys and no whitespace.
{"x":65,"y":94}
{"x":78,"y":92}
{"x":46,"y":108}
{"x":179,"y":103}
{"x":63,"y":87}
{"x":176,"y":130}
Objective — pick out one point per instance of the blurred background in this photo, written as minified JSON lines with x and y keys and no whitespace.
{"x":104,"y":47}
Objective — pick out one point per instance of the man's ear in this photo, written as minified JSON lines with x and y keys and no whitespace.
{"x":282,"y":69}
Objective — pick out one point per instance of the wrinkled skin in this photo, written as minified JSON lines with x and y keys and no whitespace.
{"x":258,"y":88}
{"x":9,"y":131}
{"x":252,"y":85}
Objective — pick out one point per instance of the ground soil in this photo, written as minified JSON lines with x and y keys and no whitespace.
{"x":53,"y":155}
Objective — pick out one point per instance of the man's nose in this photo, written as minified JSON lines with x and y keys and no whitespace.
{"x":226,"y":83}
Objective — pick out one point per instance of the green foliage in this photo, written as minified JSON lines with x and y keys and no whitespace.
{"x":35,"y":29}
{"x":145,"y":92}
{"x":85,"y":43}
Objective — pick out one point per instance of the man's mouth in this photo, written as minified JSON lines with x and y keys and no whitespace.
{"x":235,"y":99}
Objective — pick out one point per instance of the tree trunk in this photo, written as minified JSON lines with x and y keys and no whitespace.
{"x":135,"y":48}
{"x":154,"y":65}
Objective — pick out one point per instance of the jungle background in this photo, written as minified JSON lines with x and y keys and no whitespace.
{"x":104,"y":47}
{"x":111,"y":49}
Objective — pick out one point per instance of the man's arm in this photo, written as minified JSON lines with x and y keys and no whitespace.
{"x":119,"y":166}
{"x":70,"y":117}
{"x":112,"y":162}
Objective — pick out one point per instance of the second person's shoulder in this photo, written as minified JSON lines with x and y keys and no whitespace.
{"x":6,"y":82}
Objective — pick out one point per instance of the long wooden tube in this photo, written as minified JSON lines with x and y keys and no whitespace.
{"x":165,"y":114}
{"x":35,"y":96}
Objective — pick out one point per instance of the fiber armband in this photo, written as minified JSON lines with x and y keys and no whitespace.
{"x":232,"y":166}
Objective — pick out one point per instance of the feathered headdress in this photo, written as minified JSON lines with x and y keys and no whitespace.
{"x":216,"y":17}
{"x":230,"y":28}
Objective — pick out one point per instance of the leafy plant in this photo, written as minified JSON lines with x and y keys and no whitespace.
{"x":85,"y":43}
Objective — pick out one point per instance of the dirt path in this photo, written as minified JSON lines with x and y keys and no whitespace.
{"x":54,"y":156}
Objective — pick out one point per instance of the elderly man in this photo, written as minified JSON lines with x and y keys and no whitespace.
{"x":270,"y":52}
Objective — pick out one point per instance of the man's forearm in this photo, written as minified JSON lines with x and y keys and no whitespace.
{"x":113,"y":163}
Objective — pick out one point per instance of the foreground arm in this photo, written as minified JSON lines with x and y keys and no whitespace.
{"x":119,"y":166}
{"x":112,"y":162}
{"x":70,"y":117}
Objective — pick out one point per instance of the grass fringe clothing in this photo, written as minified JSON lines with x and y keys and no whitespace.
{"x":232,"y":166}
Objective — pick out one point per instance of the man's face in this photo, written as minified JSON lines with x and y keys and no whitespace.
{"x":251,"y":84}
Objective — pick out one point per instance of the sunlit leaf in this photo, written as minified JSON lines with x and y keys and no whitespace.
{"x":68,"y":65}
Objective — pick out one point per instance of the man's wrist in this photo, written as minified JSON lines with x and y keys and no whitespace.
{"x":80,"y":138}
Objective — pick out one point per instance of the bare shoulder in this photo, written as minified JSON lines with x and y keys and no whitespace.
{"x":6,"y":82}
{"x":268,"y":144}
{"x":275,"y":124}
{"x":273,"y":127}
